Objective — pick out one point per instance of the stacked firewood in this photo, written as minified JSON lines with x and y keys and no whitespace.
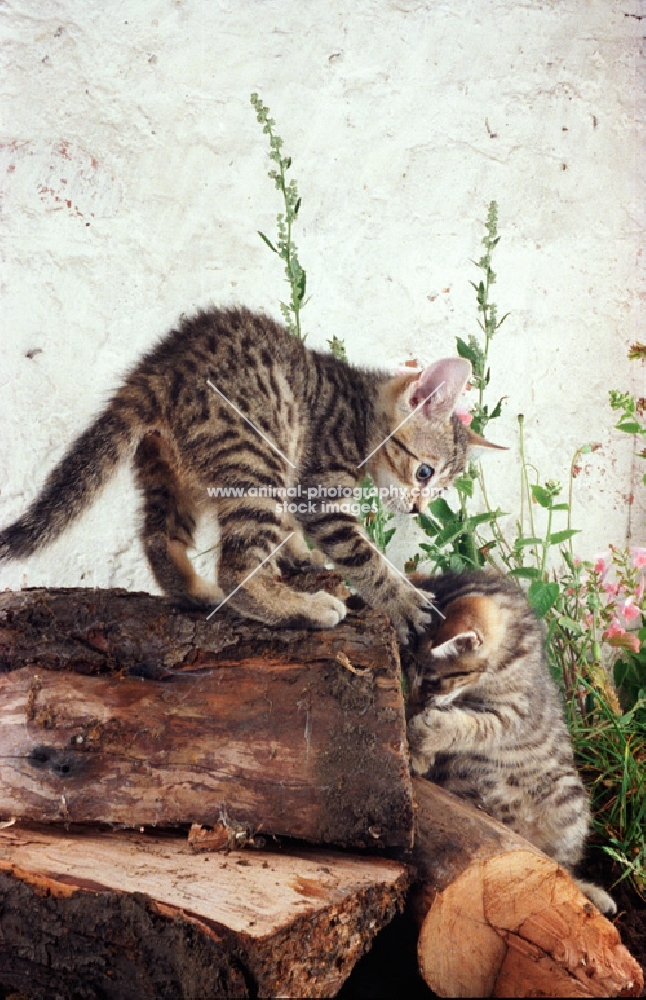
{"x":198,"y":809}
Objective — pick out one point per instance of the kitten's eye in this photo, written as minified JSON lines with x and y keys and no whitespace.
{"x":424,"y":472}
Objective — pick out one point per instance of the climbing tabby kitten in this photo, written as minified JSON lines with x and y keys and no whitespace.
{"x":488,"y":722}
{"x":322,"y":416}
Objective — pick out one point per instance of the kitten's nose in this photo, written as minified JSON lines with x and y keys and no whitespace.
{"x":415,"y":509}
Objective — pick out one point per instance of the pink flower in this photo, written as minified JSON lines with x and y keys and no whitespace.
{"x":612,"y":589}
{"x":639,"y":557}
{"x":602,"y":562}
{"x":632,"y":642}
{"x":464,"y":417}
{"x":614,"y":629}
{"x":629,"y":640}
{"x":628,"y":610}
{"x":639,"y":593}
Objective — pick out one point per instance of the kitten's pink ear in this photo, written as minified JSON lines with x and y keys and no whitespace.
{"x":440,"y":386}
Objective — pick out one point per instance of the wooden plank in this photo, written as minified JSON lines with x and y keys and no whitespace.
{"x":128,"y":916}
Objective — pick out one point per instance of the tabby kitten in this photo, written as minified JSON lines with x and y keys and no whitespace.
{"x":491,"y":725}
{"x":315,"y":420}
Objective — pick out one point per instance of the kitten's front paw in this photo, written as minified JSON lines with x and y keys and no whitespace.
{"x":422,"y":753}
{"x":426,"y":737}
{"x":411,"y":614}
{"x":326,"y":610}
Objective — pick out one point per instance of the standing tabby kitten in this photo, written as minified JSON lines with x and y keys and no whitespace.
{"x":323,"y":418}
{"x":491,"y":728}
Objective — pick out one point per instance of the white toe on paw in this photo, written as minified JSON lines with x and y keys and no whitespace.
{"x":328,"y":610}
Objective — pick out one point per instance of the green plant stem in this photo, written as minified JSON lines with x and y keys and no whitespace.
{"x":546,"y":541}
{"x":504,"y":548}
{"x":525,"y":480}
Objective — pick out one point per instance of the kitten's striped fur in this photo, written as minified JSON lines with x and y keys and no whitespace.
{"x":323,"y":415}
{"x":491,"y":726}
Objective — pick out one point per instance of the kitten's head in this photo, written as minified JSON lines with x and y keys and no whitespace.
{"x":459,"y":648}
{"x":428,"y":444}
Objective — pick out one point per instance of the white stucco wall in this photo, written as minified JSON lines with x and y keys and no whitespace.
{"x":133,"y":181}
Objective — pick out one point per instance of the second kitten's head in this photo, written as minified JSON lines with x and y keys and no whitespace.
{"x":428,"y":444}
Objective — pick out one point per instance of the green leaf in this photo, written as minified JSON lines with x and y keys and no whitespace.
{"x":520,"y":542}
{"x":301,"y":284}
{"x":629,"y":426}
{"x":542,"y":596}
{"x":497,"y":410}
{"x":428,"y":525}
{"x":570,"y":624}
{"x":487,"y":517}
{"x":440,"y":509}
{"x":542,"y":496}
{"x":388,"y":535}
{"x":267,"y":241}
{"x":464,"y":350}
{"x":561,"y":506}
{"x":561,"y":536}
{"x":526,"y":572}
{"x":450,"y":532}
{"x":464,"y":484}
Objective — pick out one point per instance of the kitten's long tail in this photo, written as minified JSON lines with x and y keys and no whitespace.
{"x":72,"y":485}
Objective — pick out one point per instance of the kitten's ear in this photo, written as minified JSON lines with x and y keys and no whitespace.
{"x":474,"y":441}
{"x":440,"y":386}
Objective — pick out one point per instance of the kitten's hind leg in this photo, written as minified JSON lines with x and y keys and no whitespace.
{"x":252,"y":535}
{"x":169,"y":524}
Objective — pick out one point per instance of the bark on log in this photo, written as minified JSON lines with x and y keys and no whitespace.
{"x":117,"y":708}
{"x":126,"y":916}
{"x":499,"y":918}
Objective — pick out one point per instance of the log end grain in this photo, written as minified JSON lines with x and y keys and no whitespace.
{"x":499,"y":918}
{"x":517,"y":926}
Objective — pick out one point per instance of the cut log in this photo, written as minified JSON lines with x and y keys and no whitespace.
{"x":117,"y":708}
{"x":127,"y":916}
{"x":499,"y":918}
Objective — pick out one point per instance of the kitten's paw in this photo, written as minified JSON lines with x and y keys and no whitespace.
{"x":326,"y":611}
{"x":411,"y":613}
{"x":422,"y":753}
{"x":598,"y":896}
{"x":301,"y":563}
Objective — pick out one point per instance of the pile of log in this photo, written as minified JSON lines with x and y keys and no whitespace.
{"x":199,"y":808}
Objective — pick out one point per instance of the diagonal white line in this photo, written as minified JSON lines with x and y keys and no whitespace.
{"x":263,"y":436}
{"x":411,"y":414}
{"x":403,"y":576}
{"x":250,"y":575}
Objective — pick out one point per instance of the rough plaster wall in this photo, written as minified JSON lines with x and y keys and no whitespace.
{"x":133,"y":180}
